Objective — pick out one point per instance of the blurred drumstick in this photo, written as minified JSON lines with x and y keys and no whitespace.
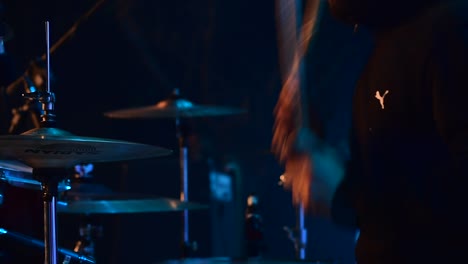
{"x":291,"y":111}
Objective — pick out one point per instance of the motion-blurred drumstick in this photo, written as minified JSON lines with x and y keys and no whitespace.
{"x":291,"y":111}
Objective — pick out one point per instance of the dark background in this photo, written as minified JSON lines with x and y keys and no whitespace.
{"x":134,"y":53}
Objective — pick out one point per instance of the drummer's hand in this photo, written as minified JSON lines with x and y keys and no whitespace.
{"x":327,"y":172}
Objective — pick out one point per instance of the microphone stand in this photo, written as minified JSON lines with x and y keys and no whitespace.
{"x":10,"y":89}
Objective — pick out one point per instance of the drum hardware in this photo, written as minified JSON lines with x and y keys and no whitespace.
{"x":174,"y":107}
{"x":177,"y":108}
{"x":37,"y":243}
{"x":297,"y":235}
{"x":187,"y":245}
{"x":89,"y":233}
{"x":50,"y":151}
{"x":19,"y":175}
{"x":90,"y":199}
{"x":49,"y":147}
{"x":121,"y":204}
{"x":29,"y":183}
{"x":15,"y":166}
{"x":88,"y":230}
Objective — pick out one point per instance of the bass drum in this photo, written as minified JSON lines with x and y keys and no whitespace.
{"x":226,"y":260}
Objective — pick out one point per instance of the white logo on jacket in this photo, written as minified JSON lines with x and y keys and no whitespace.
{"x":381,"y":98}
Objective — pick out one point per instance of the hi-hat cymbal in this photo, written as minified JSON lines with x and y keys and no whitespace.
{"x":13,"y":165}
{"x":19,"y":175}
{"x":94,"y":203}
{"x":56,"y":148}
{"x":173,"y":107}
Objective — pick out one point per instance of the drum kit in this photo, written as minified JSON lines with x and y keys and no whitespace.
{"x":42,"y":157}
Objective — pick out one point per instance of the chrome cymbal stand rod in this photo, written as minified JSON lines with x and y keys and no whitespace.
{"x":301,"y":237}
{"x":181,"y":134}
{"x":298,"y":234}
{"x":184,"y":190}
{"x":50,"y":177}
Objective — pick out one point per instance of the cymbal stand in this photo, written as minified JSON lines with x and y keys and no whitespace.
{"x":186,"y":245}
{"x":298,"y":235}
{"x":301,"y":239}
{"x":48,"y":177}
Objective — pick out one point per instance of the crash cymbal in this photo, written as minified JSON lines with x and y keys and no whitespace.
{"x":173,"y":107}
{"x":89,"y":203}
{"x":20,"y":175}
{"x":56,"y":148}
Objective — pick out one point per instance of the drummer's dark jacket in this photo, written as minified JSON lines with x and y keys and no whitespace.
{"x":406,"y":186}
